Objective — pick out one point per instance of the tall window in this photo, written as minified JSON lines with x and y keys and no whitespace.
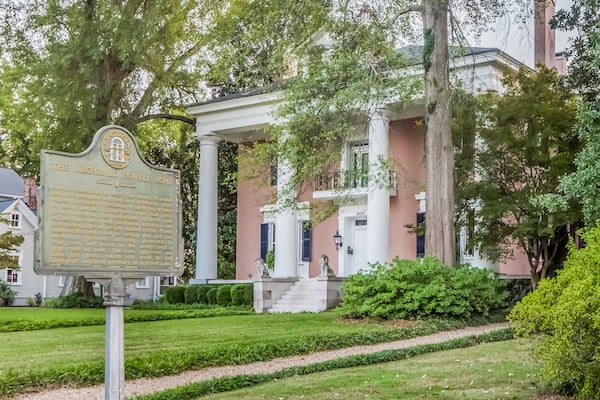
{"x":304,"y":244}
{"x":359,"y":165}
{"x":117,"y":149}
{"x":267,"y":239}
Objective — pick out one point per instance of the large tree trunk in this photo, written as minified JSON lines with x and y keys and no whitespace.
{"x":439,"y":228}
{"x":77,"y":284}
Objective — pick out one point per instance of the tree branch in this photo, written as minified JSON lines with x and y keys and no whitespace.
{"x":176,"y":63}
{"x":174,"y":117}
{"x":409,"y":9}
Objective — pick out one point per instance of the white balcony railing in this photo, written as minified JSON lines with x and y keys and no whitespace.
{"x":348,"y":182}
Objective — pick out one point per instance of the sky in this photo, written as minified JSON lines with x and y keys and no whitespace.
{"x":516,"y":39}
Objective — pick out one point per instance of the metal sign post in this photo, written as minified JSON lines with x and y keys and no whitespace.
{"x":108,"y":215}
{"x":114,"y":363}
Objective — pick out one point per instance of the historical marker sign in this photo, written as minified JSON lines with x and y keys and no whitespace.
{"x":107,"y":212}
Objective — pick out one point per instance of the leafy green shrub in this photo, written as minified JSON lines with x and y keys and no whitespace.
{"x":191,"y":294}
{"x":413,"y":289}
{"x":249,"y":294}
{"x":202,"y":291}
{"x":565,"y":310}
{"x":239,"y":294}
{"x":7,"y":295}
{"x":75,"y":300}
{"x":211,"y":295}
{"x":224,"y":295}
{"x":175,"y":294}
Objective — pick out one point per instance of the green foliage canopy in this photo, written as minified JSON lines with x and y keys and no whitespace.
{"x":583,"y":75}
{"x":71,"y":67}
{"x":524,"y":146}
{"x":566,"y":312}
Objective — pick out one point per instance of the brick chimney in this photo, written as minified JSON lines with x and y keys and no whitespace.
{"x":30,"y":197}
{"x":544,"y":49}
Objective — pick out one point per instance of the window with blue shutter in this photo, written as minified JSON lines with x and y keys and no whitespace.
{"x":420,"y":238}
{"x":306,"y":241}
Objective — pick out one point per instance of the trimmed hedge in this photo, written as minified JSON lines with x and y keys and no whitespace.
{"x":249,"y":294}
{"x":224,"y":295}
{"x":175,"y":294}
{"x":202,"y":291}
{"x":238,"y":295}
{"x":211,"y":295}
{"x":75,"y":300}
{"x":191,"y":294}
{"x":226,"y":384}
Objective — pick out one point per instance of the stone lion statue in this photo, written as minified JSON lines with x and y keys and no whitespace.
{"x":325,"y":269}
{"x":261,"y":266}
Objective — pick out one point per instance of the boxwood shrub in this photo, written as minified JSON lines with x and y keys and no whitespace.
{"x":239,"y":294}
{"x":175,"y":294}
{"x":224,"y":295}
{"x":202,"y":291}
{"x":249,"y":294}
{"x":415,"y":289}
{"x":211,"y":295}
{"x":191,"y":294}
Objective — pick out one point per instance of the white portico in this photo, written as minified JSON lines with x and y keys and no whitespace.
{"x":380,"y":173}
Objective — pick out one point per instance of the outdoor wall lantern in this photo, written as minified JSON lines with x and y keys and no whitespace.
{"x":338,"y":240}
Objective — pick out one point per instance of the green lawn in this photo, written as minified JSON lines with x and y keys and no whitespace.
{"x":45,"y":314}
{"x":71,"y":346}
{"x":501,"y":370}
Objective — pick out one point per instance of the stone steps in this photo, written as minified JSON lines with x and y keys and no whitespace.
{"x":304,"y":296}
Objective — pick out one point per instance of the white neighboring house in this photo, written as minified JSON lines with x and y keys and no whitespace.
{"x":17,"y":206}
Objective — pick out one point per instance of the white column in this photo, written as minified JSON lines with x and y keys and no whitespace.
{"x":378,"y":206}
{"x":286,"y":232}
{"x":206,"y":239}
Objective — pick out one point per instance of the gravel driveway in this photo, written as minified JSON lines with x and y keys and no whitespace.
{"x":150,"y":385}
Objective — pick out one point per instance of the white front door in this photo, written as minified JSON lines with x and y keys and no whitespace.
{"x":356,"y":250}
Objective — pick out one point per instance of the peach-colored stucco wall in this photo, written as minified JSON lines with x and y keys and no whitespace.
{"x":407,"y":154}
{"x":516,"y":266}
{"x":407,"y":159}
{"x":322,"y":243}
{"x":252,"y":194}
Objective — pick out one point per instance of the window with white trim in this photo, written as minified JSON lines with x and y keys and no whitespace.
{"x":13,"y":276}
{"x":143,"y":283}
{"x":304,"y":242}
{"x":167,"y":281}
{"x":15,"y":220}
{"x":357,"y":169}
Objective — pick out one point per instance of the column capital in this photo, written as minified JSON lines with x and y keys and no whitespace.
{"x":208,"y":138}
{"x":382,"y":113}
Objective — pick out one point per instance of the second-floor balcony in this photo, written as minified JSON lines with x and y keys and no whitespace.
{"x":351,"y":183}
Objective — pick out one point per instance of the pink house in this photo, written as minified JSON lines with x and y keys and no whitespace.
{"x":370,"y":223}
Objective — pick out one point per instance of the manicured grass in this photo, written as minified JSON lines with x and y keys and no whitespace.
{"x":501,"y":370}
{"x":46,"y":314}
{"x":75,"y":355}
{"x":29,"y":319}
{"x":56,"y":347}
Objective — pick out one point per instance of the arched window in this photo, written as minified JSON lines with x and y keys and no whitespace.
{"x":117,"y":149}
